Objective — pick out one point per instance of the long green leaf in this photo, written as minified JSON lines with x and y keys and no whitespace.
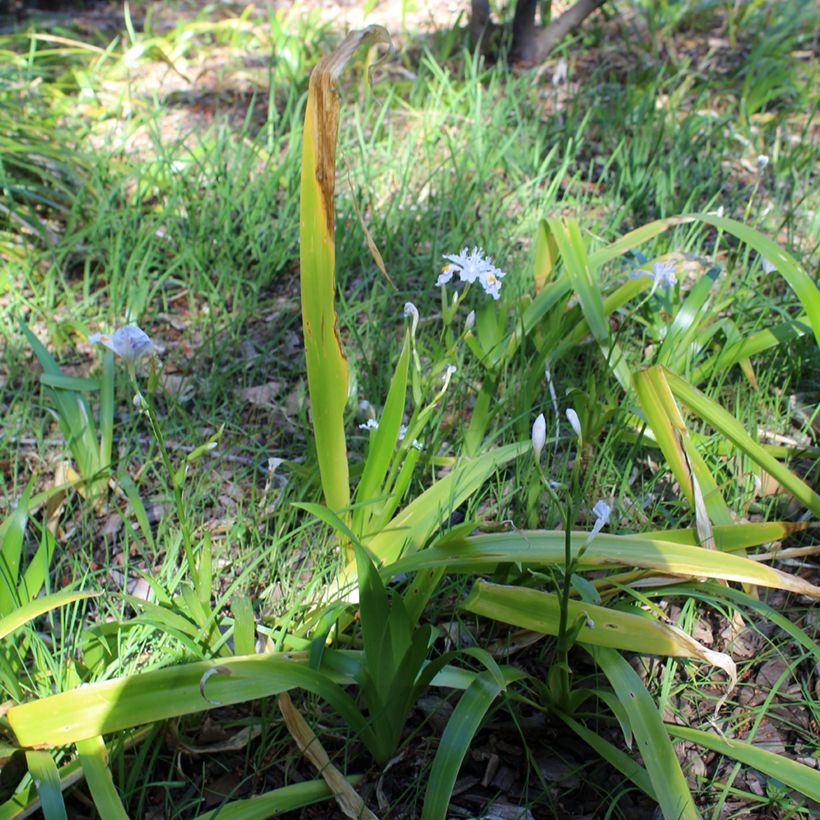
{"x":94,"y":760}
{"x":327,"y":369}
{"x":732,"y":537}
{"x":46,"y":778}
{"x":613,"y":755}
{"x":654,"y":745}
{"x":687,"y":320}
{"x":38,"y":606}
{"x":12,"y":535}
{"x":455,"y":742}
{"x":714,"y":594}
{"x":788,"y":268}
{"x":687,"y":465}
{"x":750,"y":346}
{"x":579,"y":271}
{"x":279,"y":801}
{"x":109,"y":706}
{"x":789,"y":772}
{"x":409,"y":529}
{"x":383,"y":444}
{"x":725,"y":423}
{"x":540,"y":611}
{"x":478,"y":553}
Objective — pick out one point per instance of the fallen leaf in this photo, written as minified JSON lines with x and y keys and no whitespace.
{"x":263,"y":395}
{"x":349,"y":802}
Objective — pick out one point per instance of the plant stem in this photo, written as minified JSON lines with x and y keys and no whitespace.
{"x":147,"y":403}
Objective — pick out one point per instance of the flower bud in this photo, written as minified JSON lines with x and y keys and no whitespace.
{"x":539,"y":435}
{"x":572,"y":417}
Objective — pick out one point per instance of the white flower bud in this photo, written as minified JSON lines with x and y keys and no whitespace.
{"x":539,"y":435}
{"x":469,"y":322}
{"x":572,"y":417}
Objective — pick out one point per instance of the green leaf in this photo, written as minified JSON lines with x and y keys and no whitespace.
{"x":69,"y":382}
{"x":540,"y":611}
{"x":690,"y":316}
{"x":132,"y":493}
{"x":279,"y":801}
{"x":613,"y":755}
{"x":714,"y":594}
{"x":38,"y":606}
{"x":664,"y":417}
{"x":244,"y":626}
{"x":46,"y":778}
{"x":94,"y":760}
{"x":113,"y":705}
{"x":478,"y":553}
{"x":750,"y":346}
{"x":654,"y":745}
{"x":410,"y":528}
{"x":723,"y":421}
{"x":789,"y":772}
{"x":731,"y":537}
{"x":455,"y":743}
{"x":107,"y":409}
{"x":326,"y":363}
{"x":546,"y":255}
{"x":383,"y":442}
{"x":579,"y":271}
{"x":787,"y":267}
{"x":73,"y":413}
{"x":12,"y":533}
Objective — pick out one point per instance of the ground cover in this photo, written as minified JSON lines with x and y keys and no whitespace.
{"x":155,"y":180}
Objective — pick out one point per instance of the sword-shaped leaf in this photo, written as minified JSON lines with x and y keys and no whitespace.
{"x":325,"y":359}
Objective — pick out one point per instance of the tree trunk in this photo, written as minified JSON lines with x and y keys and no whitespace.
{"x":535,"y":45}
{"x":523,"y":27}
{"x":480,"y":22}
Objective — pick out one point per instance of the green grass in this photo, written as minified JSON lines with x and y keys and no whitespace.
{"x":178,"y":210}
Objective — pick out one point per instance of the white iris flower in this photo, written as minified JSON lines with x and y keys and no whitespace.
{"x":130,"y":343}
{"x":473,"y":266}
{"x":602,"y":511}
